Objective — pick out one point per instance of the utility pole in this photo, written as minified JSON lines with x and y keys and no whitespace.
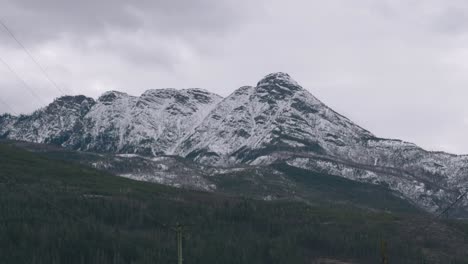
{"x":179,"y":229}
{"x":383,"y":251}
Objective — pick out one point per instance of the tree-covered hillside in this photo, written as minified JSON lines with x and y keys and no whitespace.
{"x":54,"y":211}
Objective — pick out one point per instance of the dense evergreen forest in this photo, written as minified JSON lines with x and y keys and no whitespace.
{"x":54,"y":211}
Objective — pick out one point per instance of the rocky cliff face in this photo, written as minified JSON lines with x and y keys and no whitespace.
{"x":277,"y":121}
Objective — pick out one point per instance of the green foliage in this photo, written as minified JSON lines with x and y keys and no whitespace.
{"x":58,"y":212}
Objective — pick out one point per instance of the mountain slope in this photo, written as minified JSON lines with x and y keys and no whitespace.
{"x":276,"y":114}
{"x":55,"y":123}
{"x":150,"y":124}
{"x":58,"y":212}
{"x":117,"y":122}
{"x":279,"y":121}
{"x":273,"y":183}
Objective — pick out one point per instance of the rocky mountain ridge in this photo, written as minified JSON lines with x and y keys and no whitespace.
{"x":277,"y":121}
{"x":116,"y":122}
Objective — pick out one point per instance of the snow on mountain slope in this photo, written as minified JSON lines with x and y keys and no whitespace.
{"x":55,"y":123}
{"x":117,"y":122}
{"x":279,"y":121}
{"x":150,"y":124}
{"x":276,"y":114}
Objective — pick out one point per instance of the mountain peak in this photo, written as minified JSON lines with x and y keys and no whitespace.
{"x":77,"y":99}
{"x":110,"y":96}
{"x":79,"y":103}
{"x":277,"y":86}
{"x":278,"y":78}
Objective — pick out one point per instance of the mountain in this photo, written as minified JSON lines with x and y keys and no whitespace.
{"x":275,"y":122}
{"x":55,"y":123}
{"x":276,"y":115}
{"x":117,"y":122}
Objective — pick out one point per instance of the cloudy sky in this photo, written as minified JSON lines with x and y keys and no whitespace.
{"x":395,"y":67}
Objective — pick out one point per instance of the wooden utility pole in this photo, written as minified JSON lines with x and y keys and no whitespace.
{"x":383,"y":251}
{"x":179,"y":229}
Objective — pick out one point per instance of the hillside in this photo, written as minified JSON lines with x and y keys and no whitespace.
{"x":275,"y":182}
{"x":54,"y":211}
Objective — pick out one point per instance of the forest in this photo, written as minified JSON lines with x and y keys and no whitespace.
{"x":54,"y":211}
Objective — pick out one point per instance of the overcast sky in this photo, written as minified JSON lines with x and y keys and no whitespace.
{"x":396,"y":67}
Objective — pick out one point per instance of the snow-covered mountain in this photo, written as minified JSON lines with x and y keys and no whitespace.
{"x":151,"y":124}
{"x":277,"y":121}
{"x":55,"y":123}
{"x":276,"y":114}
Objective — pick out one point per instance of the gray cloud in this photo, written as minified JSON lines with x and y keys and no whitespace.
{"x":144,"y":31}
{"x":396,"y":67}
{"x":46,"y":19}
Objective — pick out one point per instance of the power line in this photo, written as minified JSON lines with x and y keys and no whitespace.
{"x":22,"y":81}
{"x":441,"y":213}
{"x":32,"y":57}
{"x":461,"y":196}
